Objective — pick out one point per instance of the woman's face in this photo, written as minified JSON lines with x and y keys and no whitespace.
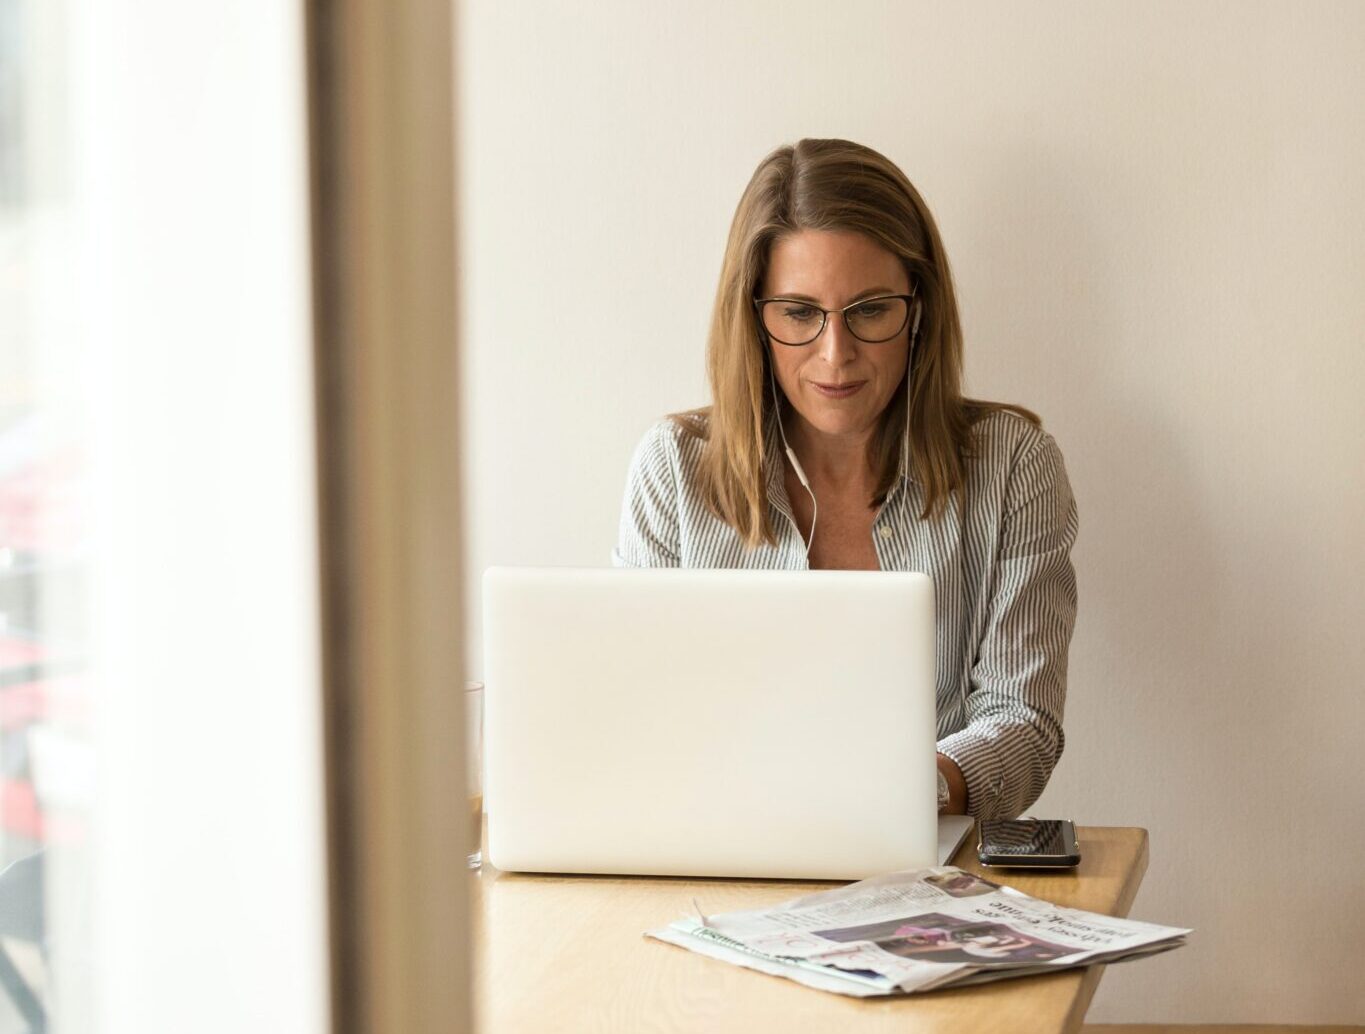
{"x":837,"y":384}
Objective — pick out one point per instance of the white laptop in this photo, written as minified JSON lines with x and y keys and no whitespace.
{"x":711,"y":723}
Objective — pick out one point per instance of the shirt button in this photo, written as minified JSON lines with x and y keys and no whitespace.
{"x":884,"y":532}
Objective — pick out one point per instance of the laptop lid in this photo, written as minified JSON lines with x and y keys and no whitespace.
{"x":709,"y":722}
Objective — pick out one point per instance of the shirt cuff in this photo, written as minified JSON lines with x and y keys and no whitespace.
{"x":982,"y":771}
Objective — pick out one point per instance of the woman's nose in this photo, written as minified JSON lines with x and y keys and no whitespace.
{"x":837,"y":345}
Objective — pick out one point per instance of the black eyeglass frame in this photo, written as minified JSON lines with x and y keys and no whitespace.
{"x":825,"y":314}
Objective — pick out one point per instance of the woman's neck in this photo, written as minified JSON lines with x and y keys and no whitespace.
{"x":837,"y":461}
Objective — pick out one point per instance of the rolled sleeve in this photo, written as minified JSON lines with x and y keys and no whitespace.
{"x":1013,"y":733}
{"x":649,"y":531}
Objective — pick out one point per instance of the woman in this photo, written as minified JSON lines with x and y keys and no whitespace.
{"x":838,"y":437}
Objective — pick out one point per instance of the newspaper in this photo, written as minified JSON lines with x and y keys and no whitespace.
{"x":919,"y":930}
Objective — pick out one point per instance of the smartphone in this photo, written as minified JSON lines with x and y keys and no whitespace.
{"x":1031,"y":843}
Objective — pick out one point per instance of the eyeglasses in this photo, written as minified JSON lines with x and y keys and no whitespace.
{"x":789,"y":321}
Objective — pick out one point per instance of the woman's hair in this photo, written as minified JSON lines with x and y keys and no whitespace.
{"x":831,"y":185}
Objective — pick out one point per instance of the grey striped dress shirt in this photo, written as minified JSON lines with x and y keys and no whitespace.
{"x":1004,"y":587}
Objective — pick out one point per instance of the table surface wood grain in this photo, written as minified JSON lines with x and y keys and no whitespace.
{"x":567,"y":953}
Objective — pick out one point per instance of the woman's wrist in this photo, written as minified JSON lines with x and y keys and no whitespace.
{"x":957,"y":787}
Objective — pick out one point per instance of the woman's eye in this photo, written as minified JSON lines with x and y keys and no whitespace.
{"x":799,"y":312}
{"x":870,"y":311}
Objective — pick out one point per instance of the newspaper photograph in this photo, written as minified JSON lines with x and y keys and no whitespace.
{"x":915,"y":931}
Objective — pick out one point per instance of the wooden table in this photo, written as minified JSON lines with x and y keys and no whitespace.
{"x":566,"y":953}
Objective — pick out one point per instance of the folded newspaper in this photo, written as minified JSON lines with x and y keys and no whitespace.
{"x":919,"y":930}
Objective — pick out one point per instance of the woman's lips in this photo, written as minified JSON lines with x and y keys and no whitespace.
{"x":838,"y":391}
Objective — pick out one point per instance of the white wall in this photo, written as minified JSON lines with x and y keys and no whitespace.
{"x":1156,"y":216}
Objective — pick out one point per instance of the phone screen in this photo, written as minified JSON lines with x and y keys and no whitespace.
{"x":1027,"y":837}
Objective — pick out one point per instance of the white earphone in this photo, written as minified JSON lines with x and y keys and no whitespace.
{"x":909,"y":359}
{"x":791,"y":455}
{"x":796,"y":464}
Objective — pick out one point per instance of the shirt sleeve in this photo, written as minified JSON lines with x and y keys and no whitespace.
{"x":649,"y":531}
{"x":1013,"y":736}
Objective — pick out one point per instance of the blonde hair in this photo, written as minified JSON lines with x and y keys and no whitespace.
{"x":831,"y":185}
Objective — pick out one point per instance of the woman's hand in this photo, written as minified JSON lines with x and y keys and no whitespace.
{"x":957,"y":787}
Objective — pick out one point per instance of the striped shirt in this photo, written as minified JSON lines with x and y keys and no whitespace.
{"x":1004,"y":587}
